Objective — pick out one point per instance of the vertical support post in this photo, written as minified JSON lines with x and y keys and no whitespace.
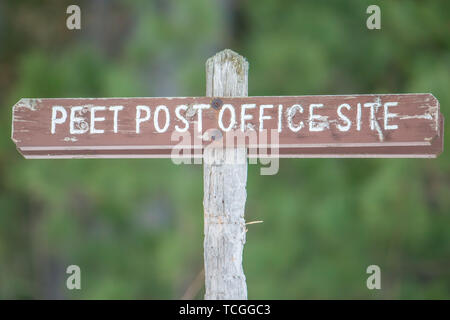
{"x":225,"y":189}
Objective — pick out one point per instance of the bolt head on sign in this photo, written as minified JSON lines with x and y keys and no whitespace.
{"x":348,"y":126}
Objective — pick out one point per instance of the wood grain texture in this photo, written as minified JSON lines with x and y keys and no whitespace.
{"x":357,"y":129}
{"x":225,"y":179}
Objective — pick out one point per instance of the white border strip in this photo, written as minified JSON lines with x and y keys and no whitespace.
{"x":165,"y":147}
{"x":140,"y":156}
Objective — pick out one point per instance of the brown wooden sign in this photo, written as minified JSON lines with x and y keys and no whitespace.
{"x":393,"y":125}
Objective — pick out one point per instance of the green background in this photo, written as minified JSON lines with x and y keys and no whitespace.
{"x":135,"y":227}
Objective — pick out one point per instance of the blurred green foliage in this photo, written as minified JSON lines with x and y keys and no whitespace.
{"x":135,"y":227}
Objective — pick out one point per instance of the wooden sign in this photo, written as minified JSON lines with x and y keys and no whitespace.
{"x":393,"y":125}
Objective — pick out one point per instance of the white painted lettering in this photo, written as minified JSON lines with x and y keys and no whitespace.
{"x":156,"y":119}
{"x":245,"y":116}
{"x":388,"y":115}
{"x":343,"y":117}
{"x":262,"y":117}
{"x":183,"y":119}
{"x":96,"y":119}
{"x":56,"y":120}
{"x":139,"y":120}
{"x":290,"y":116}
{"x":232,"y":117}
{"x":116,"y":110}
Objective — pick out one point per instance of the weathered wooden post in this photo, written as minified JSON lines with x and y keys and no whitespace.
{"x":225,"y":189}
